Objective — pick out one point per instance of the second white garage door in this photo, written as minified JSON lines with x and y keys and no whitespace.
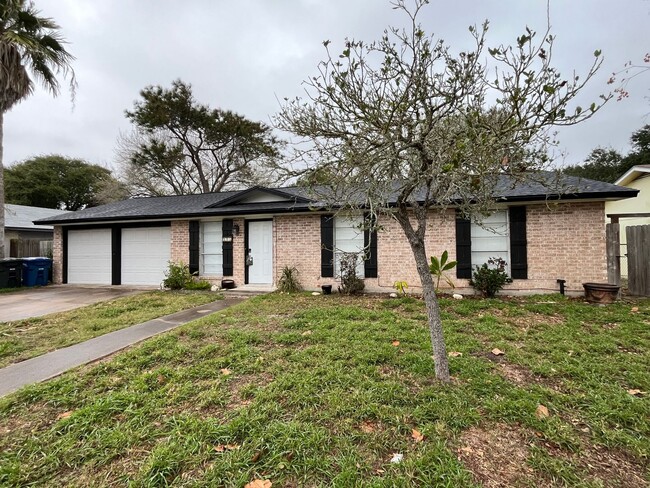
{"x":145,"y":255}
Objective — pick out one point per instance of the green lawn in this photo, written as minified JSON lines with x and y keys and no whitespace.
{"x":24,"y":339}
{"x":324,"y":391}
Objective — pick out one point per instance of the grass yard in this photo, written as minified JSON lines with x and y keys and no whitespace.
{"x":28,"y":338}
{"x":325,"y":391}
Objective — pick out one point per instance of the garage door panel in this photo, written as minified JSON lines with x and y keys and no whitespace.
{"x":145,"y":255}
{"x":90,"y":257}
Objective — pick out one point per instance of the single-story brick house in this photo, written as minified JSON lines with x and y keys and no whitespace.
{"x":250,"y":235}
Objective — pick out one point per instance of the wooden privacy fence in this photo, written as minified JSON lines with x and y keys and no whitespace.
{"x":29,"y":248}
{"x":638,"y":259}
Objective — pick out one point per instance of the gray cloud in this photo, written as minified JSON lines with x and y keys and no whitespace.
{"x":242,"y":55}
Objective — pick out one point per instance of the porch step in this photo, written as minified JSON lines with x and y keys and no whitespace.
{"x":245,"y":291}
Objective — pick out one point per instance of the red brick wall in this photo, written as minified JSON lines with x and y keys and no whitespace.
{"x":565,"y":241}
{"x":296,"y":242}
{"x":180,"y":241}
{"x":57,"y":255}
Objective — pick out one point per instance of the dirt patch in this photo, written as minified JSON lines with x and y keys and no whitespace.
{"x":613,"y":468}
{"x":528,"y":319}
{"x":516,"y":374}
{"x":238,"y":384}
{"x":521,"y":376}
{"x":496,"y":455}
{"x":607,"y":466}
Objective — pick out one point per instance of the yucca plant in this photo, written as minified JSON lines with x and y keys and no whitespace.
{"x":438,"y":268}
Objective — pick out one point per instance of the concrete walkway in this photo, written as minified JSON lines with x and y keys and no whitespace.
{"x":54,"y":363}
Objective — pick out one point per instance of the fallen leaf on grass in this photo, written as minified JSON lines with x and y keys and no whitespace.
{"x":226,"y":447}
{"x":306,"y":333}
{"x":541,"y":412}
{"x":256,"y":457}
{"x":259,"y":484}
{"x":497,"y":352}
{"x":454,"y":354}
{"x":225,"y":371}
{"x":395,"y":343}
{"x":64,"y":415}
{"x":636,"y":393}
{"x":634,"y":309}
{"x":379,"y":471}
{"x":417,"y":435}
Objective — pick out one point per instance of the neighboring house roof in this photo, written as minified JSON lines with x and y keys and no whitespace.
{"x":22,"y":217}
{"x":633,"y":173}
{"x":545,"y":185}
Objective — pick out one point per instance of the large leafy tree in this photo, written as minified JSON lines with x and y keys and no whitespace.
{"x":31,"y":48}
{"x":606,"y":164}
{"x":181,"y":146}
{"x":602,"y":164}
{"x":406,"y":120}
{"x":58,"y":182}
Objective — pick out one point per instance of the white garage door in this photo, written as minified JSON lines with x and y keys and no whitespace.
{"x":145,"y":255}
{"x":89,"y":256}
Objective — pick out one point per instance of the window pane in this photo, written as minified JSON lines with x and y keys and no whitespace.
{"x":491,"y":239}
{"x":211,"y":248}
{"x":348,"y":238}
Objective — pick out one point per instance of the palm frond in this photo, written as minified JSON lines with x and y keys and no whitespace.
{"x":30,"y":47}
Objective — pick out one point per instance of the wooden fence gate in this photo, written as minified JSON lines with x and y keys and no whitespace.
{"x":638,"y":259}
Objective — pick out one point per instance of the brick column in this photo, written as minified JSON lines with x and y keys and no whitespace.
{"x":180,"y":241}
{"x":57,"y":255}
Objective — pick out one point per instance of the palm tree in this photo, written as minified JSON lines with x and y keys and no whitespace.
{"x":30,"y":47}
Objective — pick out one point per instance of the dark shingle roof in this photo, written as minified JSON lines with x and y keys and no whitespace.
{"x":543,"y":186}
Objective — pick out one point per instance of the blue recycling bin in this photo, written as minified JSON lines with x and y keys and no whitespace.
{"x":36,"y":271}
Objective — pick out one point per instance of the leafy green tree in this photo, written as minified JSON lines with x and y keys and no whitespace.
{"x":606,"y":164}
{"x":640,"y":148}
{"x":181,"y":146}
{"x":30,"y":47}
{"x":59,"y":182}
{"x":602,"y":164}
{"x":406,"y":120}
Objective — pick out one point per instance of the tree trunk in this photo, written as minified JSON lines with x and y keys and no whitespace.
{"x":2,"y":191}
{"x":416,"y":240}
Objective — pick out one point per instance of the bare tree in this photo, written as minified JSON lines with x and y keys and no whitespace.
{"x":404,"y":127}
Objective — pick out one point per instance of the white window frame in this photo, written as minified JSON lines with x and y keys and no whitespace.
{"x":480,"y":233}
{"x":218,"y":246}
{"x":349,"y":225}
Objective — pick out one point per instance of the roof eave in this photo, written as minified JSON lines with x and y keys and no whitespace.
{"x":630,"y":175}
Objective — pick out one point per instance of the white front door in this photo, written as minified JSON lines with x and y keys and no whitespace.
{"x":260,"y":243}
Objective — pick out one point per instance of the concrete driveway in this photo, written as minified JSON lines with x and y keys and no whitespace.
{"x":34,"y":302}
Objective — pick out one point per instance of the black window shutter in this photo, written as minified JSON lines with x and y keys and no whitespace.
{"x":370,"y":245}
{"x":226,"y":230}
{"x":463,"y":247}
{"x":327,"y":246}
{"x":195,"y":227}
{"x":518,"y":244}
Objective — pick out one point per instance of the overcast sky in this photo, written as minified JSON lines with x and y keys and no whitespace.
{"x":244,"y":55}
